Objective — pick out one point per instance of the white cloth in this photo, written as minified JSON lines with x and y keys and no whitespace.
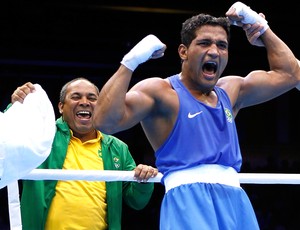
{"x":26,"y":134}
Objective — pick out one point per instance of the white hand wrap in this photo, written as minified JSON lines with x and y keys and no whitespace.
{"x":250,"y":16}
{"x":142,"y":52}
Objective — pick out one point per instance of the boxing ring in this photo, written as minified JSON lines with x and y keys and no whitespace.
{"x":115,"y":175}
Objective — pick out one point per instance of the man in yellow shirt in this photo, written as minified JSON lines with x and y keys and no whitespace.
{"x":77,"y":145}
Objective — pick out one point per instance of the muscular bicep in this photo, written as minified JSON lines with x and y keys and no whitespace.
{"x":261,"y":86}
{"x":138,"y":105}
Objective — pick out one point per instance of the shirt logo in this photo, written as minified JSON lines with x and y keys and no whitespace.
{"x":194,"y":114}
{"x":229,"y":116}
{"x":116,"y":162}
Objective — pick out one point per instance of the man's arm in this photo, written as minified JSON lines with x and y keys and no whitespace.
{"x":284,"y":74}
{"x":116,"y":109}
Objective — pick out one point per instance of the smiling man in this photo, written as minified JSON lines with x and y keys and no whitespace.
{"x":78,"y":145}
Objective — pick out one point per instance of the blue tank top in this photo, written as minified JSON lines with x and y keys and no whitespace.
{"x":201,"y":134}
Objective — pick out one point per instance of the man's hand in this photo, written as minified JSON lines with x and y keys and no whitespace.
{"x":254,"y":25}
{"x":253,"y":34}
{"x":149,"y":47}
{"x":21,"y":92}
{"x":240,"y":14}
{"x":143,"y":172}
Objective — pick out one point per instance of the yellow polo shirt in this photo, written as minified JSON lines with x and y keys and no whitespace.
{"x":80,"y":204}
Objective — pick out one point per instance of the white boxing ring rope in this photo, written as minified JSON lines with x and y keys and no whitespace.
{"x":117,"y":175}
{"x":88,"y":175}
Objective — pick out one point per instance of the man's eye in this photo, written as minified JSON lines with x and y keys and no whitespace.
{"x":222,"y":46}
{"x":205,"y":43}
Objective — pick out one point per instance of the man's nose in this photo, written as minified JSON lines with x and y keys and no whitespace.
{"x":84,"y":101}
{"x":213,"y":50}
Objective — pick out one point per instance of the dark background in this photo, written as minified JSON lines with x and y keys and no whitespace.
{"x":52,"y":42}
